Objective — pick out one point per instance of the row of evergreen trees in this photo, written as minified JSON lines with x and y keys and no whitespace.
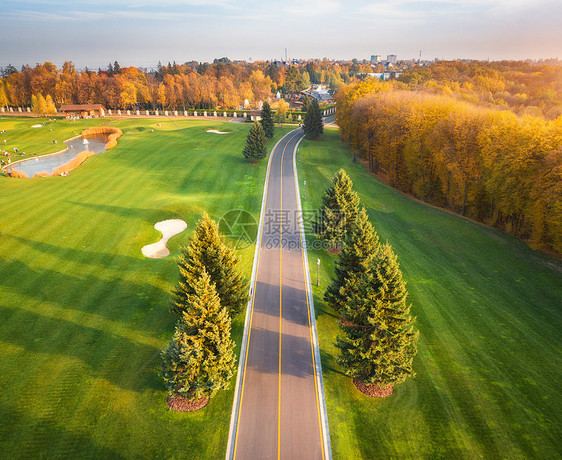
{"x":379,"y":341}
{"x":210,"y":292}
{"x":256,"y":142}
{"x":255,"y":149}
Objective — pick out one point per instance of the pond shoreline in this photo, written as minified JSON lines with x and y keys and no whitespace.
{"x":23,"y":160}
{"x":108,"y":135}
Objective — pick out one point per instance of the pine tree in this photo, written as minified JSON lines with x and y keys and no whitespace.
{"x":199,"y":360}
{"x":313,"y":125}
{"x":378,"y":345}
{"x":318,"y":122}
{"x":207,"y":252}
{"x":267,"y":120}
{"x":339,"y":209}
{"x":256,"y":144}
{"x":360,"y":250}
{"x":305,"y":104}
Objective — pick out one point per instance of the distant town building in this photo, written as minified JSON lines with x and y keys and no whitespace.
{"x":392,"y":58}
{"x":83,"y":110}
{"x":376,"y":58}
{"x":381,"y":75}
{"x":319,"y":92}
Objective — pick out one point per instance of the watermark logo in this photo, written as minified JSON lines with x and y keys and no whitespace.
{"x":240,"y":226}
{"x":281,"y":229}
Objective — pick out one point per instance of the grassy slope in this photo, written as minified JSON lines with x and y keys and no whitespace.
{"x":83,"y":315}
{"x":489,"y":365}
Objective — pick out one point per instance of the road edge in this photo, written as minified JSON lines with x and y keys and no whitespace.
{"x":312,"y":319}
{"x":236,"y":403}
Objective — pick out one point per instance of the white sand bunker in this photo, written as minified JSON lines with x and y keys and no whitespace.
{"x":168,"y":228}
{"x":37,"y":126}
{"x":216,"y":131}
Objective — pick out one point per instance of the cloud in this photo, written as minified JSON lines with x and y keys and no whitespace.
{"x":312,"y":7}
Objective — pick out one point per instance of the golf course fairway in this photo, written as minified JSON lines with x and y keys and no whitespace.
{"x":83,"y":314}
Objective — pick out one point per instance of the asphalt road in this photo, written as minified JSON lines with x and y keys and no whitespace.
{"x":279,"y":410}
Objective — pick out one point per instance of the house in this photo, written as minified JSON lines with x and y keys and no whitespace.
{"x":255,"y":115}
{"x":319,"y":92}
{"x":83,"y":110}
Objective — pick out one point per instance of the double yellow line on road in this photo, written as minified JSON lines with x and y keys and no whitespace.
{"x":253,"y":299}
{"x":280,"y":312}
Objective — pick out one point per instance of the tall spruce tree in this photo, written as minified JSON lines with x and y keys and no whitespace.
{"x":379,"y":341}
{"x":313,"y":125}
{"x":336,"y":216}
{"x":267,"y":120}
{"x":199,"y":360}
{"x":256,"y":144}
{"x":319,"y":123}
{"x":360,"y":250}
{"x":207,"y":252}
{"x":305,"y":104}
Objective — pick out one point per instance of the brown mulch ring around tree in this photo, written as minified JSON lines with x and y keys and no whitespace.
{"x":186,"y":405}
{"x":334,"y":250}
{"x":345,"y":322}
{"x":373,"y":390}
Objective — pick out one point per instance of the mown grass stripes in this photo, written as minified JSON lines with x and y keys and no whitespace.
{"x":83,"y":315}
{"x":488,"y":309}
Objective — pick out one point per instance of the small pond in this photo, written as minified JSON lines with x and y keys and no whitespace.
{"x":49,"y":163}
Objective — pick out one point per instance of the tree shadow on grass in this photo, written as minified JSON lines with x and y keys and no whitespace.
{"x":101,"y":259}
{"x":138,"y":305}
{"x":123,"y":362}
{"x":47,"y":438}
{"x":329,"y":363}
{"x":321,"y":308}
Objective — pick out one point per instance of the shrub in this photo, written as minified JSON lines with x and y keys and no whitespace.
{"x":18,"y":174}
{"x":73,"y":164}
{"x":114,"y":134}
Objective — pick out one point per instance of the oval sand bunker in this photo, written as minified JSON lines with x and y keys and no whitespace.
{"x":168,"y":228}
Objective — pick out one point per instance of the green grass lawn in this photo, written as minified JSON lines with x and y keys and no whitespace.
{"x":83,"y":315}
{"x":489,"y":366}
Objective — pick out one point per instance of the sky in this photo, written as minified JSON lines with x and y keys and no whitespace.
{"x":142,"y":32}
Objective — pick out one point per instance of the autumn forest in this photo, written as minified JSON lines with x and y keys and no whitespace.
{"x":482,"y":139}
